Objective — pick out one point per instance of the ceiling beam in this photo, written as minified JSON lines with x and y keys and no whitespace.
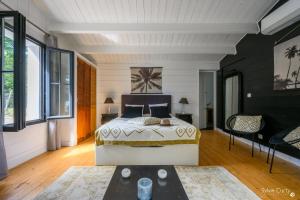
{"x":106,"y":49}
{"x":208,"y":28}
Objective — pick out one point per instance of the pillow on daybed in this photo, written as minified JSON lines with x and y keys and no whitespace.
{"x":292,"y":136}
{"x":249,"y":124}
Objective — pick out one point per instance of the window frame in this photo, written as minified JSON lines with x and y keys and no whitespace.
{"x":19,"y":30}
{"x":42,"y":74}
{"x":47,"y":84}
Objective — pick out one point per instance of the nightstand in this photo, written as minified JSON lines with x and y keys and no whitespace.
{"x":106,"y":117}
{"x":185,"y":117}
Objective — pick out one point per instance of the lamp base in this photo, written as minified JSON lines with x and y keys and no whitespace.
{"x":182,"y":109}
{"x":109,"y":110}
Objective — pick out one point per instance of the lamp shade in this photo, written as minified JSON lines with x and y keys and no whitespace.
{"x":108,"y":100}
{"x":183,"y":101}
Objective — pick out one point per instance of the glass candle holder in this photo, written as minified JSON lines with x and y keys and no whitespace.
{"x":144,"y":189}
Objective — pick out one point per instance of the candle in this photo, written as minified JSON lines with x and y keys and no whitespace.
{"x":144,"y":189}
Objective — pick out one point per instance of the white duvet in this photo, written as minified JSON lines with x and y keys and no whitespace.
{"x":124,"y":131}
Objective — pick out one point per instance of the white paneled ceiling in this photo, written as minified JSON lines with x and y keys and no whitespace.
{"x":157,"y":11}
{"x":198,"y":30}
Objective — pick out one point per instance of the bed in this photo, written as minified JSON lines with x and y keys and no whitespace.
{"x":124,"y":141}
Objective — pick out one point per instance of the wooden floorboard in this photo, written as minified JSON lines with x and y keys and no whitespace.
{"x":32,"y":177}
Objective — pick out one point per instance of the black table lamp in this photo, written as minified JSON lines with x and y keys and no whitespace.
{"x":108,"y":101}
{"x":183,"y":101}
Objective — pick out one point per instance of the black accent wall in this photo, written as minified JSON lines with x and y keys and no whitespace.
{"x":254,"y":59}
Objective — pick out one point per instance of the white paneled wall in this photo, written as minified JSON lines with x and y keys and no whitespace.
{"x":25,"y":144}
{"x":178,"y":80}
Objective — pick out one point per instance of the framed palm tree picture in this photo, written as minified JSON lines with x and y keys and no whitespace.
{"x":146,"y":80}
{"x":287,"y":65}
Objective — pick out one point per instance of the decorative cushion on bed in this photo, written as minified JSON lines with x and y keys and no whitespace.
{"x":132,"y":112}
{"x":293,"y":135}
{"x":249,"y":124}
{"x":146,"y":121}
{"x":160,"y":112}
{"x":151,"y":121}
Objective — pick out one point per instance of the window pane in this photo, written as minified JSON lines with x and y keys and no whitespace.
{"x":54,"y":100}
{"x":65,"y":100}
{"x":54,"y":66}
{"x":8,"y":97}
{"x":33,"y":81}
{"x":65,"y":68}
{"x":8,"y":44}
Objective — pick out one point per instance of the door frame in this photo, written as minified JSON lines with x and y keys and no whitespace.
{"x":214,"y":95}
{"x":240,"y":95}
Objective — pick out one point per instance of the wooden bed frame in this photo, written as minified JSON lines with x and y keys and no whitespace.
{"x":179,"y":154}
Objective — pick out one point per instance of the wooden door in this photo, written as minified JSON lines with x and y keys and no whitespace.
{"x":93,"y":100}
{"x":80,"y":101}
{"x":86,"y":100}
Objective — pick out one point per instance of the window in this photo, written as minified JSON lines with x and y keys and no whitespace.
{"x":34,"y":81}
{"x":12,"y":36}
{"x":22,"y":75}
{"x":60,"y":75}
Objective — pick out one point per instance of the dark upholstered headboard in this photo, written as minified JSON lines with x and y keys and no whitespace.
{"x":145,"y":99}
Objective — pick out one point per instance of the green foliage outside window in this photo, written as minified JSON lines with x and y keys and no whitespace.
{"x":8,"y":79}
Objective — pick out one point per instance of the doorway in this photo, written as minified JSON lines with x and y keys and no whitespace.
{"x":232,"y":95}
{"x":207,"y":100}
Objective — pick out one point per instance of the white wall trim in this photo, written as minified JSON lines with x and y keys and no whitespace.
{"x":278,"y":154}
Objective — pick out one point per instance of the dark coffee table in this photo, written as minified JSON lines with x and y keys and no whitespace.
{"x":126,"y":189}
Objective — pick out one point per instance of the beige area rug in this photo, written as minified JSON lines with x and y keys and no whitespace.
{"x":87,"y":183}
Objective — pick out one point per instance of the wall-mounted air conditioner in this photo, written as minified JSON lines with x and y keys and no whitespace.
{"x":282,"y":17}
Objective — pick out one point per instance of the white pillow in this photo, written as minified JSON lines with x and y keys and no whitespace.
{"x":156,"y":105}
